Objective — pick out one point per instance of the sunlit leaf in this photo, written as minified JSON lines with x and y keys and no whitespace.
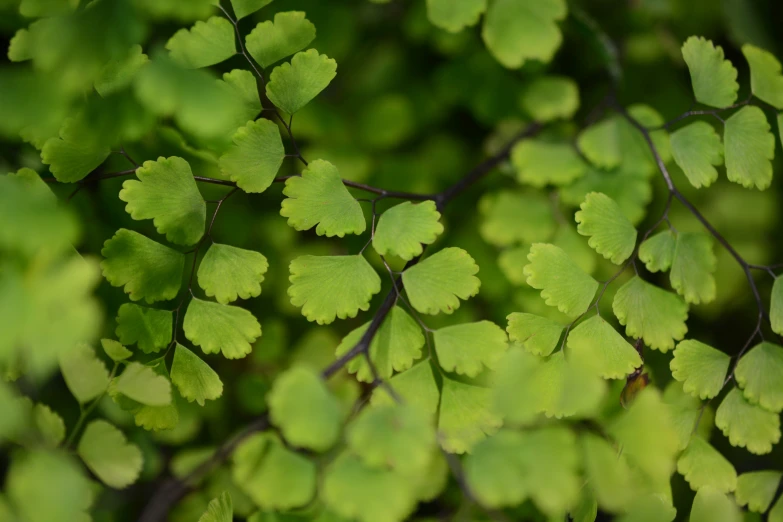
{"x":205,"y":44}
{"x":84,"y":374}
{"x":758,"y":374}
{"x":219,"y":509}
{"x":144,"y":385}
{"x":513,"y":217}
{"x":415,"y":386}
{"x":469,"y":348}
{"x":597,"y":340}
{"x":115,"y":350}
{"x":537,"y":335}
{"x":465,"y":416}
{"x":710,"y":505}
{"x":227,"y":273}
{"x":713,"y":77}
{"x":747,"y":425}
{"x":242,"y":8}
{"x":108,"y":454}
{"x":551,"y":97}
{"x":562,"y":283}
{"x":756,"y":489}
{"x":76,"y":152}
{"x":222,"y":328}
{"x":293,"y":85}
{"x":704,"y":467}
{"x":403,"y":229}
{"x":611,"y":233}
{"x":692,"y":266}
{"x":657,"y":251}
{"x":271,"y":41}
{"x":540,"y":163}
{"x":194,"y":379}
{"x":749,"y":148}
{"x":254,"y":159}
{"x":697,"y":149}
{"x":148,"y":328}
{"x":701,"y":368}
{"x":438,"y":283}
{"x":766,"y":80}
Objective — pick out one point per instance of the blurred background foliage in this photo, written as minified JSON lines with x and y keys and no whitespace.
{"x":412,"y":108}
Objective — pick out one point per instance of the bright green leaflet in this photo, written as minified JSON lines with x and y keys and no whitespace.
{"x":608,"y":473}
{"x":650,"y":313}
{"x":610,"y":232}
{"x":465,"y":416}
{"x":119,"y":72}
{"x":115,"y":350}
{"x":194,"y":379}
{"x":714,"y":78}
{"x":704,"y":466}
{"x":537,"y":335}
{"x":318,"y":197}
{"x":327,"y":287}
{"x":272,"y":475}
{"x":222,"y":328}
{"x":143,"y":384}
{"x":749,"y":148}
{"x":757,"y":489}
{"x":359,"y":492}
{"x":549,"y":98}
{"x":598,"y":341}
{"x":394,"y":347}
{"x":657,"y":251}
{"x":205,"y":44}
{"x":438,"y":283}
{"x":403,"y":229}
{"x":84,"y":374}
{"x":455,"y":15}
{"x":600,"y":145}
{"x":167,"y":193}
{"x":684,"y":411}
{"x":254,"y":159}
{"x":416,"y":387}
{"x":701,"y":368}
{"x":49,"y":424}
{"x":697,"y":149}
{"x":747,"y":425}
{"x":220,"y":509}
{"x":241,"y":84}
{"x":562,"y":283}
{"x":270,"y":41}
{"x":148,"y":328}
{"x":766,"y":80}
{"x":540,"y":163}
{"x":711,"y":505}
{"x":227,"y":273}
{"x":147,"y":269}
{"x":776,"y":306}
{"x":242,"y":8}
{"x":759,"y":373}
{"x":692,"y":267}
{"x":19,"y":47}
{"x":510,"y":217}
{"x":400,"y":437}
{"x":107,"y":453}
{"x":469,"y":348}
{"x":292,"y":86}
{"x":306,"y":412}
{"x":75,"y":153}
{"x":515,"y":32}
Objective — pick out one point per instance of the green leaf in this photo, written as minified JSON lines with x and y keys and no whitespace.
{"x":326,"y":287}
{"x":713,"y":77}
{"x":221,"y":328}
{"x":240,"y":85}
{"x":148,"y":328}
{"x":242,"y":8}
{"x":106,"y":451}
{"x":146,"y":268}
{"x":684,"y":411}
{"x":776,"y":513}
{"x":19,"y":48}
{"x":228,"y":273}
{"x":272,"y":475}
{"x":759,"y":372}
{"x":650,"y":313}
{"x":562,"y":283}
{"x":119,"y":72}
{"x":749,"y":148}
{"x":292,"y":86}
{"x":776,"y":306}
{"x":441,"y":280}
{"x":404,"y":228}
{"x":757,"y":489}
{"x":766,"y":81}
{"x":596,"y":340}
{"x":704,"y":467}
{"x":149,"y":417}
{"x":416,"y":387}
{"x":539,"y":163}
{"x":652,"y":507}
{"x":611,"y":233}
{"x":205,"y":44}
{"x":657,"y":251}
{"x":537,"y":335}
{"x":397,"y":343}
{"x":701,"y":368}
{"x":586,"y":510}
{"x":307,"y":414}
{"x":600,"y":145}
{"x":549,"y":98}
{"x":167,"y":194}
{"x":271,"y":41}
{"x":692,"y":266}
{"x":515,"y":32}
{"x":469,"y":348}
{"x":318,"y":197}
{"x":194,"y":379}
{"x":220,"y":509}
{"x":747,"y":425}
{"x":75,"y":153}
{"x":510,"y":217}
{"x":84,"y":374}
{"x":115,"y":350}
{"x":254,"y":159}
{"x":399,"y":437}
{"x":607,"y":472}
{"x":455,"y":15}
{"x":711,"y":505}
{"x":465,"y":416}
{"x":49,"y":424}
{"x":697,"y":149}
{"x":143,"y":384}
{"x":359,"y":492}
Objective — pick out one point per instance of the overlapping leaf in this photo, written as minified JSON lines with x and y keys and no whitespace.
{"x":562,"y":283}
{"x":469,"y":348}
{"x":657,"y":251}
{"x":610,"y":232}
{"x":404,"y":228}
{"x":143,"y":385}
{"x":194,"y":379}
{"x":697,"y":149}
{"x":440,"y":281}
{"x":242,"y":8}
{"x":271,"y":41}
{"x":415,"y":386}
{"x":455,"y":15}
{"x":465,"y":416}
{"x":766,"y":80}
{"x":598,"y":341}
{"x":148,"y":328}
{"x":204,"y":44}
{"x":76,"y":152}
{"x":710,"y":505}
{"x":692,"y":266}
{"x":537,"y":335}
{"x":540,"y":163}
{"x":704,"y":467}
{"x":227,"y":273}
{"x":116,"y":351}
{"x":512,"y":217}
{"x":747,"y":425}
{"x":759,"y":372}
{"x":756,"y":489}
